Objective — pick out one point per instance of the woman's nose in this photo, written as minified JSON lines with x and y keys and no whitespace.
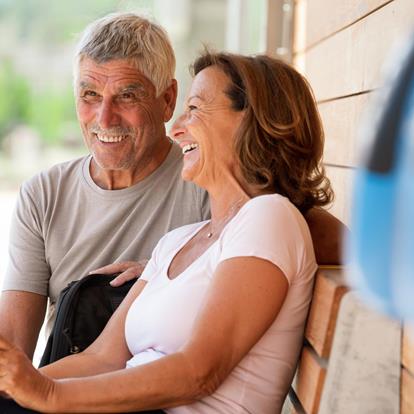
{"x":177,"y":128}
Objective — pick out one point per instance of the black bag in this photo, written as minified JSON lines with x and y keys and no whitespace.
{"x":83,"y":309}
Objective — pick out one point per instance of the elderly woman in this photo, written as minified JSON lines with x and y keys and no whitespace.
{"x":215,"y":324}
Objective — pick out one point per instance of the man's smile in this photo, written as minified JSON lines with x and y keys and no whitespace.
{"x":110,"y":138}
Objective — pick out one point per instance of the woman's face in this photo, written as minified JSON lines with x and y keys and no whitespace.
{"x":206,"y":129}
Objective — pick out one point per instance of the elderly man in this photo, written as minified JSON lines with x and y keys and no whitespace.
{"x":114,"y":204}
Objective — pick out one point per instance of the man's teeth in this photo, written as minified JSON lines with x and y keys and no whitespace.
{"x":105,"y":138}
{"x":189,"y":147}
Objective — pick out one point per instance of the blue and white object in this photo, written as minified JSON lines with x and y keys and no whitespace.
{"x":381,"y":244}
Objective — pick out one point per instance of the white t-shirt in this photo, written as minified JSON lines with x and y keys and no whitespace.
{"x":160,"y":320}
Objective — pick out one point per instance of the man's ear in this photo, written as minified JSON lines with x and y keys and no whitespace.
{"x":170,"y":99}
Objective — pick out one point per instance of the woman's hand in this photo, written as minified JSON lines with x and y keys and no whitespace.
{"x":128,"y":271}
{"x":21,"y":381}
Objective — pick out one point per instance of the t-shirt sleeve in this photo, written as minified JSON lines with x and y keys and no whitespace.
{"x":270,"y":228}
{"x":27,"y":268}
{"x":152,"y":267}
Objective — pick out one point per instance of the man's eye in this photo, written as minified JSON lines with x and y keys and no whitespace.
{"x":128,"y":96}
{"x":191,"y":107}
{"x":89,"y":95}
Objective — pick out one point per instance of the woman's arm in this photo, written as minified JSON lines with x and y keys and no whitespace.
{"x":245,"y":296}
{"x":244,"y":299}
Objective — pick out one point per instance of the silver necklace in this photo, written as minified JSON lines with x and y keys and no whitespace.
{"x":233,"y":209}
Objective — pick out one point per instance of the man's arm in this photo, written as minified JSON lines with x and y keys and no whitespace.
{"x":23,"y":300}
{"x":327,"y":235}
{"x":21,"y":317}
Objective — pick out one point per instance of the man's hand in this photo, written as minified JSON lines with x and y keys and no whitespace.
{"x":20,"y":380}
{"x":127,"y":270}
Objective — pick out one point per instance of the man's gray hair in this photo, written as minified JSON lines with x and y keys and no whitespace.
{"x":134,"y":38}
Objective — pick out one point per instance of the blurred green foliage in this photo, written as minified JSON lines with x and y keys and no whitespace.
{"x":50,"y":112}
{"x":14,"y":98}
{"x":46,"y":110}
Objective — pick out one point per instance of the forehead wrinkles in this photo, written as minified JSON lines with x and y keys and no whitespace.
{"x":213,"y":101}
{"x":205,"y":91}
{"x":210,"y":90}
{"x":123,"y":81}
{"x":116,"y":75}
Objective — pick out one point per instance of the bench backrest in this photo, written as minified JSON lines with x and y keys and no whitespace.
{"x":350,"y":361}
{"x":308,"y":385}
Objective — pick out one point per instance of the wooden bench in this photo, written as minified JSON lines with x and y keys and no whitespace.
{"x":350,"y":362}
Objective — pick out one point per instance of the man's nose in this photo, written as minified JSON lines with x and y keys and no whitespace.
{"x":107,"y":115}
{"x":177,"y":128}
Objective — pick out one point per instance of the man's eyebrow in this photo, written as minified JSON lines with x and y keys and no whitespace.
{"x":85,"y":84}
{"x":132,"y":87}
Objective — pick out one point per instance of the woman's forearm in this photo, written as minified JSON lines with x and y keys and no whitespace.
{"x":168,"y":382}
{"x":81,"y":365}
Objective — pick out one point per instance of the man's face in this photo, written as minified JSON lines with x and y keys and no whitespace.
{"x":121,"y":118}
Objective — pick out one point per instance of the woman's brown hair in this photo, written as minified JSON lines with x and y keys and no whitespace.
{"x":280,"y":141}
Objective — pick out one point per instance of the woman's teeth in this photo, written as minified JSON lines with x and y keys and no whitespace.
{"x":105,"y":138}
{"x":189,"y":147}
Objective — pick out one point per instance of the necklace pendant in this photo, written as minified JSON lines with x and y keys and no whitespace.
{"x":209,"y":234}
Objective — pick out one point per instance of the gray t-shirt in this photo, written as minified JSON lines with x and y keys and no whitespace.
{"x":64,"y":225}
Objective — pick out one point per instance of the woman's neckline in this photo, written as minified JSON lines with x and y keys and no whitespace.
{"x":193,"y":234}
